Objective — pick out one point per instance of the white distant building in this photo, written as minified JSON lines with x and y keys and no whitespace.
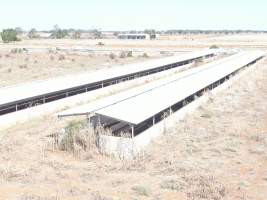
{"x":134,"y":36}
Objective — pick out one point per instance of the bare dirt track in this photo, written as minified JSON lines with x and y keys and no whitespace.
{"x":219,"y":152}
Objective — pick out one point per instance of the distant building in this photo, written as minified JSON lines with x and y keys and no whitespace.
{"x":43,"y":35}
{"x":134,"y":36}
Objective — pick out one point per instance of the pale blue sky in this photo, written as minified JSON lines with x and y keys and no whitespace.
{"x":135,"y":14}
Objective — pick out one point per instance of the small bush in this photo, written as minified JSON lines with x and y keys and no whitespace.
{"x":16,"y":50}
{"x":112,"y":56}
{"x":9,"y":70}
{"x":35,"y":62}
{"x":52,"y":58}
{"x":24,"y":66}
{"x":73,"y":60}
{"x":214,"y":46}
{"x":68,"y":142}
{"x":122,"y":54}
{"x":145,"y":55}
{"x":61,"y":57}
{"x":130,"y":54}
{"x":141,"y":190}
{"x":7,"y":56}
{"x":100,"y":44}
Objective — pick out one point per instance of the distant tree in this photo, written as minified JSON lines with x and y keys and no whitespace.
{"x":19,"y":30}
{"x":97,"y":34}
{"x":58,"y":33}
{"x":150,"y":31}
{"x":116,"y":33}
{"x":76,"y":35}
{"x":9,"y":35}
{"x":33,"y":33}
{"x":133,"y":32}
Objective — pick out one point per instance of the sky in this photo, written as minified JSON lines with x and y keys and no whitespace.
{"x":134,"y":14}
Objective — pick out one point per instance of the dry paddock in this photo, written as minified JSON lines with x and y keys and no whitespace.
{"x":218,"y":152}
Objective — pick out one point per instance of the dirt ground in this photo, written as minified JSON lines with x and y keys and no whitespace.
{"x":33,"y":65}
{"x":218,"y":152}
{"x":47,"y":58}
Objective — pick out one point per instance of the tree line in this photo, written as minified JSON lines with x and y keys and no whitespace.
{"x":9,"y":35}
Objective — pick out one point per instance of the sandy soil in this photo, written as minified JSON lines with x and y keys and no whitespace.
{"x":219,"y":152}
{"x":36,"y":65}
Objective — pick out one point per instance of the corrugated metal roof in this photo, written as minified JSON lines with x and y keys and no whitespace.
{"x":122,"y":96}
{"x":137,"y":109}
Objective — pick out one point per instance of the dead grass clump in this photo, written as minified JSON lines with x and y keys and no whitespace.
{"x":0,"y":56}
{"x":16,"y":50}
{"x":172,"y":184}
{"x":145,"y":55}
{"x":68,"y":139}
{"x":35,"y":62}
{"x":61,"y":57}
{"x":73,"y":60}
{"x":7,"y":56}
{"x":122,"y":54}
{"x":52,"y":58}
{"x":24,"y":66}
{"x":80,"y":138}
{"x":112,"y":56}
{"x":98,"y":196}
{"x":202,"y":187}
{"x":9,"y":70}
{"x":100,"y":44}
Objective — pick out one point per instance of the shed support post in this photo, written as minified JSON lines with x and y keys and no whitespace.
{"x":88,"y":119}
{"x":153,"y":120}
{"x":132,"y":131}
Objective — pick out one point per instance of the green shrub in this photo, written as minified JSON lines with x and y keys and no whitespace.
{"x":130,"y":54}
{"x":71,"y":129}
{"x":214,"y":46}
{"x":9,"y":35}
{"x":140,"y":190}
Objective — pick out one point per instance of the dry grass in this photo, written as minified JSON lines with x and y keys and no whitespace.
{"x":43,"y":64}
{"x":218,"y":152}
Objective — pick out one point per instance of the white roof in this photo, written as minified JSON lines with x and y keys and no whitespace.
{"x":28,"y":90}
{"x":137,"y":109}
{"x":125,"y":95}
